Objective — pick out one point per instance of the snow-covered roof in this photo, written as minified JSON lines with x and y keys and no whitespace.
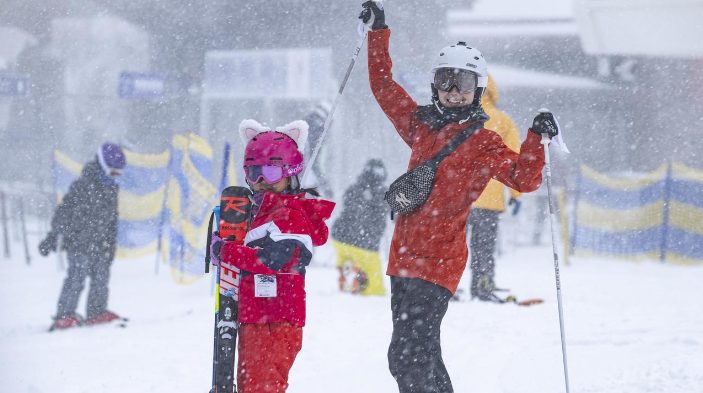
{"x":507,"y":76}
{"x":516,"y":10}
{"x":512,"y":18}
{"x":461,"y":29}
{"x":658,"y":28}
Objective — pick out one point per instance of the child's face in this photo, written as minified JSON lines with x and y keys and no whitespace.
{"x":277,"y":187}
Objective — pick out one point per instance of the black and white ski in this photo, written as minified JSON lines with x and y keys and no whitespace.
{"x":232,"y":217}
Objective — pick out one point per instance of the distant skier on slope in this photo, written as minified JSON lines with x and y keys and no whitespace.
{"x":279,"y":245}
{"x":428,"y":251}
{"x":357,"y":232}
{"x":86,"y":220}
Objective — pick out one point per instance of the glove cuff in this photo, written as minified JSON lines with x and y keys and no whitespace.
{"x":378,"y":25}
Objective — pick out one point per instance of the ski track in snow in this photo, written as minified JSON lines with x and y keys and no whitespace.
{"x":630,"y":328}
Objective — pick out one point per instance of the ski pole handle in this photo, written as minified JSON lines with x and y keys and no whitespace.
{"x":363,"y":32}
{"x":214,"y":218}
{"x":216,"y":211}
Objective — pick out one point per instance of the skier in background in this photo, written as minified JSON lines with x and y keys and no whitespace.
{"x":485,"y":211}
{"x":428,"y":252}
{"x":86,"y":220}
{"x":357,"y":232}
{"x":279,"y":246}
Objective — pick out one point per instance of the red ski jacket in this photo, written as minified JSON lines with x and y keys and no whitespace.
{"x":430,"y":243}
{"x":279,"y":246}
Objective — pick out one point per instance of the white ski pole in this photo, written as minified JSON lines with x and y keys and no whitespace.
{"x":363,"y":31}
{"x":552,"y":223}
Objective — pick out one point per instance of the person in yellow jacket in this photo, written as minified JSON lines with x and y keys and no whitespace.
{"x":485,"y":212}
{"x":356,"y":234}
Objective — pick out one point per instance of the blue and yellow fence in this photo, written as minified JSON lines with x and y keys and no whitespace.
{"x":658,"y":215}
{"x":165,"y":201}
{"x":191,"y":195}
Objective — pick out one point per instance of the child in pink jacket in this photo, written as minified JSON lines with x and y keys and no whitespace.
{"x":279,"y":245}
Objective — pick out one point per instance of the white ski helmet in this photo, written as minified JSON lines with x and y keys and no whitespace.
{"x":464,"y":57}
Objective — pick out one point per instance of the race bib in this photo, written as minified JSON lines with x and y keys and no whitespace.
{"x":264,"y":285}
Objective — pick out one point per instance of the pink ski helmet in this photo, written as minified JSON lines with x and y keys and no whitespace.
{"x":281,"y":147}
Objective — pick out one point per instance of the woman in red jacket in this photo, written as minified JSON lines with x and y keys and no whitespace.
{"x":428,"y":251}
{"x":284,"y":228}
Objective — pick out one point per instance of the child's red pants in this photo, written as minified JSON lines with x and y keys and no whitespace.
{"x":266,"y":355}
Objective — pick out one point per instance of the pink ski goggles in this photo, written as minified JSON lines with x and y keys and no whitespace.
{"x":270,"y":173}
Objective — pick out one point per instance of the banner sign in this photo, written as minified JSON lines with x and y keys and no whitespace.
{"x":136,"y":85}
{"x":14,"y":85}
{"x":283,"y":73}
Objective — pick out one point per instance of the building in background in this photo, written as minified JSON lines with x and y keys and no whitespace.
{"x":613,"y":105}
{"x":597,"y":66}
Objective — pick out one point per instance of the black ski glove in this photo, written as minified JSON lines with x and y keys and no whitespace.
{"x":48,"y":244}
{"x":545,"y":123}
{"x":373,"y":16}
{"x":516,"y":206}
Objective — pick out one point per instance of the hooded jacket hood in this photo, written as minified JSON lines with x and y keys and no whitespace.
{"x":315,"y":211}
{"x":491,"y":97}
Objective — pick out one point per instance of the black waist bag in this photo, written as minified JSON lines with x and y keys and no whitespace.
{"x":411,"y":190}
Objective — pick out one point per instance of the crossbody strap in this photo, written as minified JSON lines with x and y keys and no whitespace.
{"x":454,"y":144}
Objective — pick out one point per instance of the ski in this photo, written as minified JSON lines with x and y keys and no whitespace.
{"x":528,"y":302}
{"x":460,"y":296}
{"x":54,"y":328}
{"x":114,"y":320}
{"x":120,"y":322}
{"x":232,"y":218}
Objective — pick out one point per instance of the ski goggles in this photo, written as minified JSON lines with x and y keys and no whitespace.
{"x":446,"y":78}
{"x":270,"y":173}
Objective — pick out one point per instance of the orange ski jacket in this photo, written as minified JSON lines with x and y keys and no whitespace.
{"x":430,"y":243}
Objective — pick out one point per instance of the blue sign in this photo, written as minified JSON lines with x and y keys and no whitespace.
{"x":14,"y":84}
{"x":136,"y":85}
{"x":299,"y":73}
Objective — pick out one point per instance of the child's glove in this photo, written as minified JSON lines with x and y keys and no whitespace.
{"x":215,"y":248}
{"x":245,"y":258}
{"x":373,"y":15}
{"x":48,"y":244}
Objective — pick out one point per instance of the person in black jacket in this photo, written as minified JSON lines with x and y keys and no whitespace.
{"x":357,"y":232}
{"x":86,"y":221}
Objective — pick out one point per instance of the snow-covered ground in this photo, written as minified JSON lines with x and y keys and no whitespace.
{"x":629,"y":327}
